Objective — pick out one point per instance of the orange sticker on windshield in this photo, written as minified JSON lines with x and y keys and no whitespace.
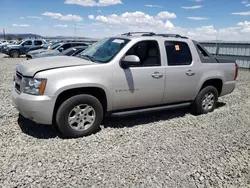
{"x":177,"y":47}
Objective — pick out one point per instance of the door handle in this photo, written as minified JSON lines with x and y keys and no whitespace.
{"x":157,"y":75}
{"x":190,"y":73}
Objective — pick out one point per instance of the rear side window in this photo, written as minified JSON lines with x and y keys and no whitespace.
{"x":202,"y":51}
{"x":38,"y":42}
{"x":178,"y":53}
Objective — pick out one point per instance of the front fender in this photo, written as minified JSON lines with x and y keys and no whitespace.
{"x":68,"y":84}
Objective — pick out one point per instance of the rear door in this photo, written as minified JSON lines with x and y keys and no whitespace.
{"x":38,"y":43}
{"x":182,"y":74}
{"x":142,"y":85}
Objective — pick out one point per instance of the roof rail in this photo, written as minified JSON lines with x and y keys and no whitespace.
{"x":153,"y":34}
{"x":172,"y":35}
{"x":143,"y":33}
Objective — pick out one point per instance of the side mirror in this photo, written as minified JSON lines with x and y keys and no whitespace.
{"x":130,"y":60}
{"x":60,"y":49}
{"x":22,"y":44}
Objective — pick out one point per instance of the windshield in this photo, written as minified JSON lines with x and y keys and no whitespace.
{"x":56,"y":45}
{"x":104,"y":50}
{"x":45,"y":46}
{"x":19,"y":42}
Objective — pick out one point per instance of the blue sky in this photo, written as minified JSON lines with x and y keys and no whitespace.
{"x":198,"y":19}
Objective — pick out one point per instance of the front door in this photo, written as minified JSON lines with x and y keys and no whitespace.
{"x":143,"y":85}
{"x":27,"y":45}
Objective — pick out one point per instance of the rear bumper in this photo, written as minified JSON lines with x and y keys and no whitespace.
{"x":228,"y":88}
{"x":36,"y":108}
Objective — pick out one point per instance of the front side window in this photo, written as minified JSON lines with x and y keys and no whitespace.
{"x":148,"y":53}
{"x":104,"y":50}
{"x":28,"y":42}
{"x":178,"y":53}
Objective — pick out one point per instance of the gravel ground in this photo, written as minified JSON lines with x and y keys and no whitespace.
{"x":167,"y":149}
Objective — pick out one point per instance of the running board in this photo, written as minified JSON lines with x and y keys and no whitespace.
{"x":152,"y":109}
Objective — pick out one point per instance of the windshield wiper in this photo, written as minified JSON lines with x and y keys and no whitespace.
{"x":89,"y":57}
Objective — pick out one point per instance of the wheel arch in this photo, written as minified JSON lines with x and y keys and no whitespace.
{"x":97,"y":92}
{"x":216,"y":82}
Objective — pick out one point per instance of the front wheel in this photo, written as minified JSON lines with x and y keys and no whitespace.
{"x":14,"y":54}
{"x":80,"y":115}
{"x":206,"y":100}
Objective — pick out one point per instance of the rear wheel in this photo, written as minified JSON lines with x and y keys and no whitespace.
{"x":14,"y":53}
{"x":206,"y":100}
{"x":80,"y":115}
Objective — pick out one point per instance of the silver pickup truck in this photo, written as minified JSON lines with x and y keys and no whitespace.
{"x":121,"y":75}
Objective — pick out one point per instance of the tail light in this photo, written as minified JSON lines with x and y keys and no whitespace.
{"x":236,"y":71}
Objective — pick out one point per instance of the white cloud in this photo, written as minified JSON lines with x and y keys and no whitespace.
{"x":99,"y":11}
{"x":61,"y":26}
{"x":166,"y":15}
{"x":32,"y":17}
{"x":138,"y":19}
{"x":197,"y":18}
{"x":197,"y":1}
{"x":153,"y":6}
{"x":241,"y":13}
{"x":245,"y":24}
{"x":244,"y":2}
{"x":169,"y":25}
{"x":68,"y":17}
{"x":91,"y":17}
{"x":192,"y":7}
{"x":35,"y":17}
{"x":247,"y":5}
{"x":20,"y":25}
{"x":244,"y":27}
{"x":92,"y":3}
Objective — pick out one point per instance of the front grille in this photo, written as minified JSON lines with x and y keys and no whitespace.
{"x":18,"y":81}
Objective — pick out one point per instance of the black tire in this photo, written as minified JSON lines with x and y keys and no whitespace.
{"x":14,"y":53}
{"x":65,"y":109}
{"x":197,"y":106}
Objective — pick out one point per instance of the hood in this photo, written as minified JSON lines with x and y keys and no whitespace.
{"x":31,"y":67}
{"x":38,"y":51}
{"x":12,"y":45}
{"x":45,"y":54}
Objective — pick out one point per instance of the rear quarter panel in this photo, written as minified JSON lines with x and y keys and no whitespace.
{"x":222,"y":71}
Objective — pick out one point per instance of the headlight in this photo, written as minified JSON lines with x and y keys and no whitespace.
{"x":34,"y":86}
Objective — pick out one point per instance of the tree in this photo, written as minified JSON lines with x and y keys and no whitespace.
{"x":9,"y":38}
{"x":19,"y":38}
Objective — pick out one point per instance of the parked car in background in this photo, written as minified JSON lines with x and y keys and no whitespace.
{"x":53,"y":46}
{"x":74,"y":51}
{"x":3,"y":44}
{"x":44,"y":46}
{"x":22,"y":48}
{"x":118,"y":76}
{"x":55,"y":49}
